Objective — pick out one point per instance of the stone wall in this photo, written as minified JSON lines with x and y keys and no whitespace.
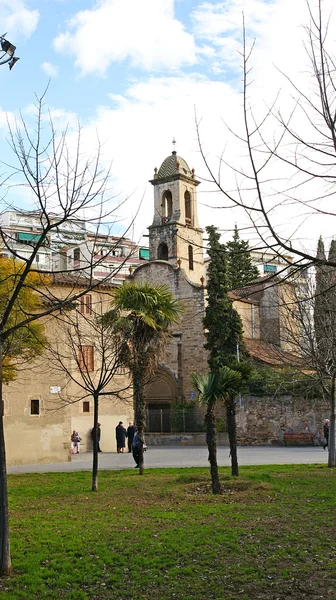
{"x":194,"y":356}
{"x":263,"y":420}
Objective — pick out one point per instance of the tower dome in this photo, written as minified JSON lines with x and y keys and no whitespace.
{"x":174,"y":165}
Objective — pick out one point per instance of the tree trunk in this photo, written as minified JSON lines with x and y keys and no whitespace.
{"x":212,"y":447}
{"x":232,"y":432}
{"x":5,"y":559}
{"x":140,"y":410}
{"x":95,"y":445}
{"x":331,"y":441}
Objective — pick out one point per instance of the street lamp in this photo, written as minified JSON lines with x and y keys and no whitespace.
{"x":9,"y":49}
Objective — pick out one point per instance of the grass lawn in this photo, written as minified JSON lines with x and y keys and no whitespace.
{"x":164,"y":536}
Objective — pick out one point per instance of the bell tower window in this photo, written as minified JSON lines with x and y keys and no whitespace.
{"x":167,"y":206}
{"x":187,"y":208}
{"x":191,"y":258}
{"x":163,"y":251}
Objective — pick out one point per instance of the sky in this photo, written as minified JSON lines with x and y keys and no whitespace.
{"x":135,"y":73}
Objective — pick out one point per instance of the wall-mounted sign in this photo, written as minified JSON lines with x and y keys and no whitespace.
{"x":55,"y":389}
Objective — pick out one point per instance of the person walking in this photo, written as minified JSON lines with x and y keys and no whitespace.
{"x":130,"y":435}
{"x":121,"y":434}
{"x":326,"y":428}
{"x":136,"y":447}
{"x":98,"y":433}
{"x":135,"y":450}
{"x":75,"y":442}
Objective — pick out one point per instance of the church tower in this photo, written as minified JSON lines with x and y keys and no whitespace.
{"x":175,"y":235}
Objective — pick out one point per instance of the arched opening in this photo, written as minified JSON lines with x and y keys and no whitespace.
{"x":187,"y":208}
{"x":161,"y":393}
{"x":167,"y":205}
{"x":191,"y":258}
{"x":162,"y":251}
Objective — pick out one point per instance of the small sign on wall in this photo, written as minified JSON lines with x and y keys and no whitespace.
{"x":55,"y":389}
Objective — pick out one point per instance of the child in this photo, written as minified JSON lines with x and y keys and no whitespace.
{"x":75,"y":441}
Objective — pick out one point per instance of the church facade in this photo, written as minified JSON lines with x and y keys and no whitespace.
{"x":176,"y":260}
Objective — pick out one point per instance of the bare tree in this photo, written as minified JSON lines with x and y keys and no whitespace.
{"x":290,"y":159}
{"x":63,"y":186}
{"x":308,"y":315}
{"x":91,"y":358}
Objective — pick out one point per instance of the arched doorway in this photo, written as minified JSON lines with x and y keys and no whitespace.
{"x":161,"y":393}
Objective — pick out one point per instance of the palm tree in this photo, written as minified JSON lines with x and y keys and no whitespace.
{"x":142,"y":314}
{"x":222,"y":385}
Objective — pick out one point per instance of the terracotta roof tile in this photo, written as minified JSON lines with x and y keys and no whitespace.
{"x":271,"y":354}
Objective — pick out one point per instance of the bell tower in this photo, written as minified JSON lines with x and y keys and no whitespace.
{"x":175,"y":235}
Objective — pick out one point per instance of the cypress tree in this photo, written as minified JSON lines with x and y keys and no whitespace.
{"x":242,"y":271}
{"x":222,"y":323}
{"x":224,"y":331}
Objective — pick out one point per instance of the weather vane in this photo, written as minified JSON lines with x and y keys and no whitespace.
{"x":174,"y":142}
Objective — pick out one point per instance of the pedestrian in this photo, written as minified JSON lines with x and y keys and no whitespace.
{"x":121,"y":434}
{"x":326,"y":427}
{"x":136,"y":447}
{"x":130,"y":435}
{"x":75,"y":442}
{"x":98,"y":433}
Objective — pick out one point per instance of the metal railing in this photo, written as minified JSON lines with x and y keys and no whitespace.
{"x":178,"y":419}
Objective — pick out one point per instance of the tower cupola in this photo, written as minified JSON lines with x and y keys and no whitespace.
{"x":175,"y":234}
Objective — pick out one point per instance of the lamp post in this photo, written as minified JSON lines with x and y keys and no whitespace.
{"x":8,"y":49}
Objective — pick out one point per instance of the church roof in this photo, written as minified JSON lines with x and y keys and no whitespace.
{"x":174,"y":165}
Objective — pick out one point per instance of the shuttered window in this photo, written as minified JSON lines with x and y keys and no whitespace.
{"x":85,"y":304}
{"x":85,"y":358}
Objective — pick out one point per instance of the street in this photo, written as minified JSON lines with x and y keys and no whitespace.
{"x":189,"y":456}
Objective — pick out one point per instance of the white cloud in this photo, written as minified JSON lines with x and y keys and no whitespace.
{"x":17,"y":18}
{"x":276,"y":27}
{"x":144,"y":32}
{"x":49,"y":69}
{"x":136,"y":128}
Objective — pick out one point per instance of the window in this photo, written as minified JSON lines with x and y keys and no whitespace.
{"x":34,"y":407}
{"x":187,"y":208}
{"x":86,"y":406}
{"x":88,"y":304}
{"x":85,"y":304}
{"x":76,"y":255}
{"x":191,"y":258}
{"x":85,"y":358}
{"x":167,"y":205}
{"x":163,"y":252}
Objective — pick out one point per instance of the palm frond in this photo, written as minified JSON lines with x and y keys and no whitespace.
{"x":217,"y":386}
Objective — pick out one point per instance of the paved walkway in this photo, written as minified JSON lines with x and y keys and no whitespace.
{"x":190,"y":456}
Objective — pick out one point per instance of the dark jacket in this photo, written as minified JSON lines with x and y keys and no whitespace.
{"x":98,"y":433}
{"x":130,"y":432}
{"x":326,"y":431}
{"x":121,"y":436}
